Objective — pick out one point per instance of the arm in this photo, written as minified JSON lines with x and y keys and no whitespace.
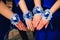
{"x":55,"y":6}
{"x":45,"y":19}
{"x":4,"y":10}
{"x":37,"y":3}
{"x":23,"y":7}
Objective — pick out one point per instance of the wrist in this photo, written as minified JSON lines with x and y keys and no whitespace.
{"x":47,"y":14}
{"x":28,"y":15}
{"x":15,"y":19}
{"x":37,"y":10}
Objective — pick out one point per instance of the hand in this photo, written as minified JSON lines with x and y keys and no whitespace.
{"x":21,"y":26}
{"x":28,"y":19}
{"x":43,"y":23}
{"x":37,"y":11}
{"x":36,"y":20}
{"x":29,"y":24}
{"x":46,"y":17}
{"x":15,"y":20}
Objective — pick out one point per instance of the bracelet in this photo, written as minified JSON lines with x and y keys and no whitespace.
{"x":47,"y":15}
{"x":15,"y":19}
{"x":37,"y":10}
{"x":28,"y":15}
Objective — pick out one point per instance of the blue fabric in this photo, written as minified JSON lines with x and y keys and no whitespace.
{"x":40,"y":35}
{"x":16,"y":2}
{"x":47,"y":35}
{"x":51,"y":35}
{"x":48,"y":3}
{"x":4,"y":25}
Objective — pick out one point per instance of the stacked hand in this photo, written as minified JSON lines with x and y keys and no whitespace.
{"x":44,"y":21}
{"x":38,"y":21}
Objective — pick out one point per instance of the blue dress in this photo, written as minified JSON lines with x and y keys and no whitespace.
{"x":53,"y":30}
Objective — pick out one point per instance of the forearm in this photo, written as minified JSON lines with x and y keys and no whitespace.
{"x":4,"y":10}
{"x":37,"y":3}
{"x":59,"y":3}
{"x":23,"y":6}
{"x":55,"y":7}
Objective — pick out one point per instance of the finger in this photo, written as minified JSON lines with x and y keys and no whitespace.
{"x":30,"y":27}
{"x":40,"y":26}
{"x":24,"y":28}
{"x":36,"y":20}
{"x":29,"y":24}
{"x":46,"y":25}
{"x":20,"y":26}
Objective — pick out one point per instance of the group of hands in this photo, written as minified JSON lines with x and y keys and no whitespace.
{"x":36,"y":24}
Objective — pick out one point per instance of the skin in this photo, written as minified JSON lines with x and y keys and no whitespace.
{"x":24,"y":10}
{"x":46,"y":22}
{"x":6,"y":12}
